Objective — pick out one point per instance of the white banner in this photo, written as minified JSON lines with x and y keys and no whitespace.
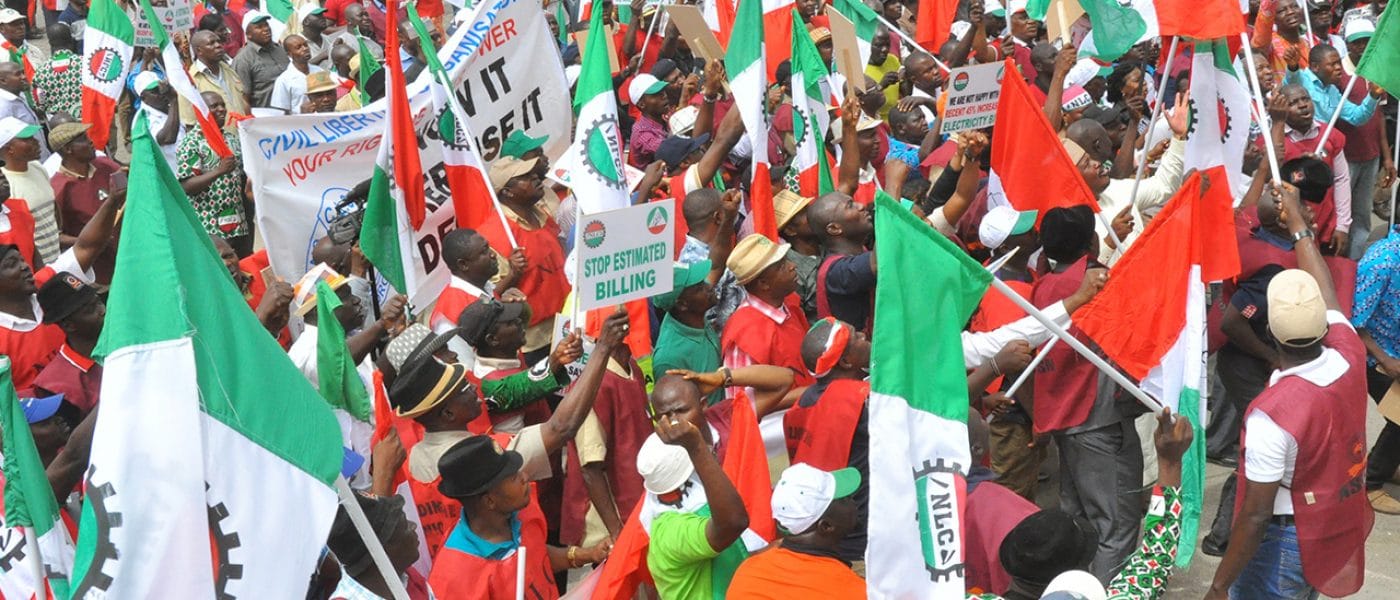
{"x":509,"y":77}
{"x":626,"y":254}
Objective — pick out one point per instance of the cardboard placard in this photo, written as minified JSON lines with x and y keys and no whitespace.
{"x":176,"y":16}
{"x":696,"y":32}
{"x":581,"y":38}
{"x":972,"y":97}
{"x":1061,"y":17}
{"x":846,"y":49}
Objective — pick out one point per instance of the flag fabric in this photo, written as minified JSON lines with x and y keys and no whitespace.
{"x":410,"y":433}
{"x":1201,"y":20}
{"x":744,"y":63}
{"x":179,"y":79}
{"x":1028,"y":158}
{"x":1378,"y":64}
{"x":369,"y":65}
{"x":933,"y":23}
{"x":598,"y":177}
{"x":1150,"y":318}
{"x":213,"y":458}
{"x":284,"y":21}
{"x":473,"y":199}
{"x":1117,"y":27}
{"x":561,"y":18}
{"x":397,"y":205}
{"x":336,"y":377}
{"x":1037,"y":9}
{"x":29,"y":503}
{"x":1220,"y":113}
{"x":626,"y":566}
{"x":866,"y":23}
{"x":746,"y":464}
{"x":918,"y":408}
{"x":778,"y":25}
{"x":107,"y":48}
{"x":810,"y":117}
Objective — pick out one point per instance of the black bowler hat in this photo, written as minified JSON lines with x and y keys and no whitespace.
{"x":1046,"y":544}
{"x":475,"y":465}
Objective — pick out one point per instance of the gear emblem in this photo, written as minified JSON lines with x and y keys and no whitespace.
{"x":13,"y":544}
{"x":223,"y":542}
{"x":105,"y":520}
{"x":939,"y":490}
{"x":602,"y":152}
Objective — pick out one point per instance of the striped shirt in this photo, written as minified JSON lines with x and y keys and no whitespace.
{"x":33,"y":186}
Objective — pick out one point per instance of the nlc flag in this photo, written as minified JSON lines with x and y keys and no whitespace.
{"x":602,"y":183}
{"x":107,"y":48}
{"x":918,"y":408}
{"x":748,"y":78}
{"x":29,"y":507}
{"x":1150,"y":318}
{"x":213,"y":458}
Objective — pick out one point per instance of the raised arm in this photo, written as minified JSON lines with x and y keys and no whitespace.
{"x":728,"y":517}
{"x":576,"y":405}
{"x":1305,"y":246}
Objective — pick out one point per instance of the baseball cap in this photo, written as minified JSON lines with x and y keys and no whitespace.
{"x":63,"y":295}
{"x":684,"y":277}
{"x":1297,"y":313}
{"x":12,"y":127}
{"x":304,"y":292}
{"x":663,"y":67}
{"x":1003,"y":222}
{"x":480,"y":317}
{"x":805,"y":492}
{"x":145,"y":80}
{"x":674,"y":149}
{"x":786,"y":205}
{"x":10,"y":15}
{"x":1074,"y":585}
{"x":475,"y":465}
{"x":60,"y":136}
{"x":254,"y":16}
{"x":306,"y":10}
{"x":644,"y":85}
{"x":752,"y":255}
{"x":506,"y":168}
{"x":682,"y":121}
{"x":39,"y":409}
{"x":866,"y":122}
{"x":319,"y":81}
{"x":1106,"y":116}
{"x":517,"y":144}
{"x":993,"y":8}
{"x":1075,"y":98}
{"x":1356,"y":29}
{"x":1015,"y":6}
{"x":663,"y":467}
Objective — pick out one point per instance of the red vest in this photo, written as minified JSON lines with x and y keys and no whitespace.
{"x":449,"y":306}
{"x":458,"y":575}
{"x":1332,"y":513}
{"x":820,"y":435}
{"x":620,"y":407}
{"x":21,"y":232}
{"x":437,"y":513}
{"x":992,"y":512}
{"x":767,"y":342}
{"x":1065,"y":383}
{"x":543,"y":282}
{"x":1326,"y":212}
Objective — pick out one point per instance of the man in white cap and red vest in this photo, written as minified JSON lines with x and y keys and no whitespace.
{"x":1302,"y":518}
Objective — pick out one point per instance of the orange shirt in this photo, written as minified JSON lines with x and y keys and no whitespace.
{"x":780,"y":574}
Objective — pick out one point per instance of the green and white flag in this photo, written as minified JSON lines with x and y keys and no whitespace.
{"x":336,"y":377}
{"x":213,"y":458}
{"x":928,"y":288}
{"x":1117,"y":27}
{"x":598,"y":179}
{"x":283,"y":16}
{"x":368,"y":67}
{"x":1378,"y":64}
{"x":811,"y":117}
{"x":29,"y":504}
{"x":1219,"y":130}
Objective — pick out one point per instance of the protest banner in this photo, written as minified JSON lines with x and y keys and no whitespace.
{"x":972,"y":97}
{"x":626,"y":254}
{"x":508,"y":77}
{"x":176,"y":15}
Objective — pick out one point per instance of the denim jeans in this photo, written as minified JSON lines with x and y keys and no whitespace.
{"x":1276,"y":571}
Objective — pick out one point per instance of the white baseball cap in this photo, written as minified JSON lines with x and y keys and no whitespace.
{"x":1355,"y":29}
{"x":1003,"y":222}
{"x":643,"y":85}
{"x":10,"y":15}
{"x":254,"y":16}
{"x":1075,"y":585}
{"x":993,"y":8}
{"x":682,"y":121}
{"x":1297,"y":313}
{"x":663,"y":467}
{"x":145,"y":80}
{"x":11,"y":128}
{"x":805,"y":492}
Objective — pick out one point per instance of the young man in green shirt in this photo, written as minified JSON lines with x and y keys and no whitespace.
{"x":686,"y":340}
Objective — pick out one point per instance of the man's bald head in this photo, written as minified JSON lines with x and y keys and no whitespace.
{"x":333,"y":254}
{"x":203,"y":36}
{"x":672,"y":393}
{"x":1092,"y":137}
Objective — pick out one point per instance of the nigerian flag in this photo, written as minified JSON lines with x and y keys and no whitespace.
{"x":866,"y":22}
{"x":107,"y":48}
{"x":602,"y":182}
{"x":283,"y":18}
{"x":1117,"y":27}
{"x":919,"y":456}
{"x":29,"y":504}
{"x":1378,"y":64}
{"x":213,"y":458}
{"x":811,"y":119}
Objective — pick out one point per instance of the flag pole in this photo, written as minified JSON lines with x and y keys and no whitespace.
{"x":1030,"y":368}
{"x":908,"y":40}
{"x":1095,"y":359}
{"x":1151,"y":123}
{"x":376,"y":549}
{"x":520,"y":572}
{"x":1332,"y":122}
{"x":31,"y":539}
{"x":1263,"y":115}
{"x":651,"y":29}
{"x":1394,"y":185}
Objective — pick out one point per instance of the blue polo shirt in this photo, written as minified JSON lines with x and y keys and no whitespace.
{"x":463,"y":539}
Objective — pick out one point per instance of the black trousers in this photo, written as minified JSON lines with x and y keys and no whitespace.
{"x":1385,"y":455}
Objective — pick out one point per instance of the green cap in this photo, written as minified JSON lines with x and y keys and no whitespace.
{"x":518,"y":144}
{"x":685,"y":276}
{"x":847,"y":482}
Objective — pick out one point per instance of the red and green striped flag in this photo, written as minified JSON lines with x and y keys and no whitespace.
{"x":179,"y":79}
{"x":107,"y":48}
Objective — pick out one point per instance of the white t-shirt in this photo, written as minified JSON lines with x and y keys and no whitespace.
{"x":155,"y":119}
{"x":34,"y":187}
{"x":1270,"y":453}
{"x":289,"y":90}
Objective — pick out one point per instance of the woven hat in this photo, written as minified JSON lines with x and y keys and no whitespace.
{"x":754,"y":254}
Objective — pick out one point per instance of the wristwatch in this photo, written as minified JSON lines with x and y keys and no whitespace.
{"x":1299,"y":235}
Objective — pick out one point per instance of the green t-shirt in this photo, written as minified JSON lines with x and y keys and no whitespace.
{"x":680,"y":346}
{"x":680,"y":557}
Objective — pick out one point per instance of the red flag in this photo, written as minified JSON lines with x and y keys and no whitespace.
{"x":933,"y":23}
{"x":410,"y":432}
{"x":408,"y":167}
{"x":1034,"y":169}
{"x":725,"y":11}
{"x":626,"y":566}
{"x":746,"y":464}
{"x":1201,"y":19}
{"x":1141,"y":312}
